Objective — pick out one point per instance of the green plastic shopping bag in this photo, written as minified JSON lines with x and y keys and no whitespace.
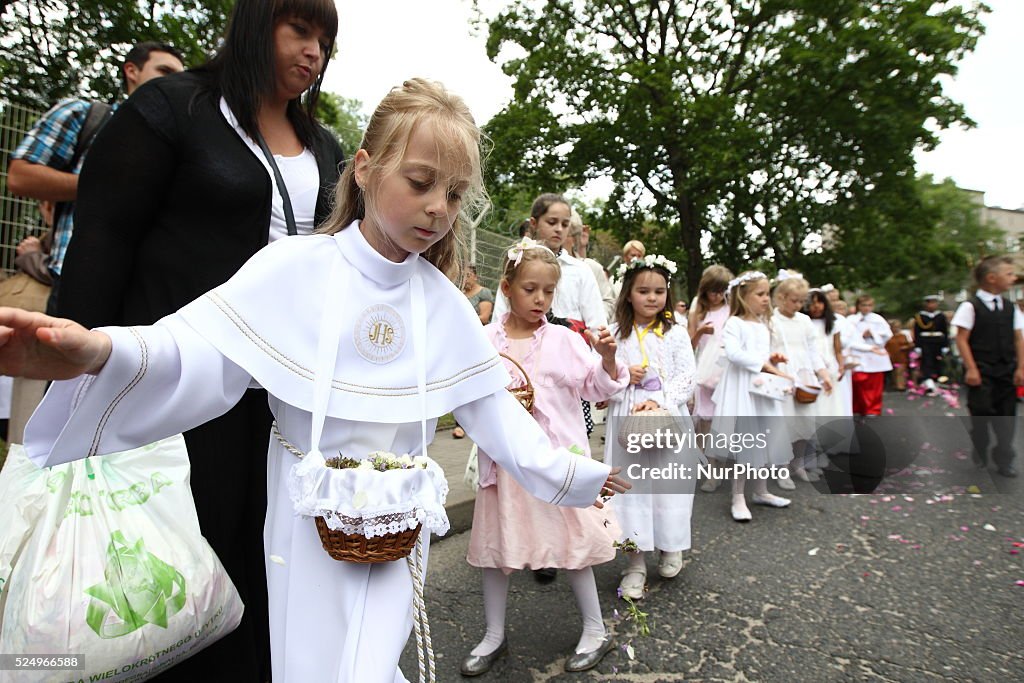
{"x":22,"y":484}
{"x":115,"y":568}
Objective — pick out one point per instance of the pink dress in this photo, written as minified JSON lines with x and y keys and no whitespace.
{"x":511,"y":528}
{"x":703,"y":406}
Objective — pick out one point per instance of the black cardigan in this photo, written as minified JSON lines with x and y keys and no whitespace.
{"x":171,"y":202}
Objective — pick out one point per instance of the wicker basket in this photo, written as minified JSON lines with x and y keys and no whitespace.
{"x":806,"y":394}
{"x":523,"y":393}
{"x":358,"y":548}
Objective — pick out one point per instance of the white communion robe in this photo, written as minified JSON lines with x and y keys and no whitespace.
{"x":261,"y":328}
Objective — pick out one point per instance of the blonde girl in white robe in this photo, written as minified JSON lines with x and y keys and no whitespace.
{"x":400,"y":207}
{"x":793,"y":335}
{"x":746,"y":339}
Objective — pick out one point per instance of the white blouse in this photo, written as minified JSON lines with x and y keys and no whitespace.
{"x":301,"y":177}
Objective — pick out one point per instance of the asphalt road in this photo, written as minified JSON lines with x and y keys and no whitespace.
{"x":914,"y":584}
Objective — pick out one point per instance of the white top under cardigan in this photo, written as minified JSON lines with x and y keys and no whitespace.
{"x":301,"y":178}
{"x":261,"y":328}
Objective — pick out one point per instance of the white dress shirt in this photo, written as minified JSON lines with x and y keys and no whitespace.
{"x":964,"y":316}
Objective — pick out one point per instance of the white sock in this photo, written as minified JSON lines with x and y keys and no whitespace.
{"x":637,"y":562}
{"x":585,"y":589}
{"x":739,"y":502}
{"x":761,"y":487}
{"x":739,"y":485}
{"x":495,"y":600}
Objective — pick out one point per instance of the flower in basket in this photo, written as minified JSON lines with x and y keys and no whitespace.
{"x":379,"y":461}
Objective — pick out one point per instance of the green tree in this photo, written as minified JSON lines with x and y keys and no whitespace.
{"x":53,"y":49}
{"x":959,"y":237}
{"x":752,"y":125}
{"x":345,"y":117}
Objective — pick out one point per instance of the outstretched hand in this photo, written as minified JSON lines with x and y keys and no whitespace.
{"x":37,"y":346}
{"x":612,"y":485}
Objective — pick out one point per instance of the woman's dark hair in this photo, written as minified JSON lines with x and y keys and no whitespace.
{"x":828,"y":316}
{"x":542,"y":203}
{"x":624,"y":316}
{"x":243,"y":68}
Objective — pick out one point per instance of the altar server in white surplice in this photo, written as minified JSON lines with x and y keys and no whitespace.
{"x":366,"y":305}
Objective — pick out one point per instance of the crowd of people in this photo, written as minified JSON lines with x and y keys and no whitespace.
{"x":210,"y":294}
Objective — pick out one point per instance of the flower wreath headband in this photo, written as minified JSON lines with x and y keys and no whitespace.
{"x":746,"y":277}
{"x":516,"y":251}
{"x":649,"y":261}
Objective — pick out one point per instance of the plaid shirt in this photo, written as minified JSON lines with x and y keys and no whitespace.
{"x":51,"y":142}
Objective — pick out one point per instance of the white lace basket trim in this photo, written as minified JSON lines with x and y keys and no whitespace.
{"x":368,"y":502}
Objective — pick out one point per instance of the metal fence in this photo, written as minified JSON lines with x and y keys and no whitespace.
{"x":19,"y":217}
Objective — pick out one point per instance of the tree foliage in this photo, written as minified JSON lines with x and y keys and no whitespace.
{"x":54,"y":49}
{"x":960,"y":239}
{"x":751,"y":126}
{"x":345,"y":118}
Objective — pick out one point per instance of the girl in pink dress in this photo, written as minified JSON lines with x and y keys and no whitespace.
{"x":707,"y":318}
{"x":511,"y":529}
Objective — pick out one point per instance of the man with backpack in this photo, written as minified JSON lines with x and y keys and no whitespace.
{"x":46,"y":164}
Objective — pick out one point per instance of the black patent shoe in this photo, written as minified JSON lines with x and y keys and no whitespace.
{"x":545,"y":575}
{"x":475,"y":665}
{"x":584,"y":661}
{"x":1007,"y":471}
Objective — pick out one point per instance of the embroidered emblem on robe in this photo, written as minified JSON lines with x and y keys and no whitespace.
{"x":380,"y":334}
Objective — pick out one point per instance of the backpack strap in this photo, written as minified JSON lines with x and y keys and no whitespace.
{"x":98,"y":114}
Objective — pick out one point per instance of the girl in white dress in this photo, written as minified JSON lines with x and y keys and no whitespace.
{"x":747,"y":342}
{"x":832,"y":409}
{"x":793,"y":336}
{"x":707,"y":318}
{"x":661,"y":368}
{"x":849,"y":361}
{"x":368,"y":364}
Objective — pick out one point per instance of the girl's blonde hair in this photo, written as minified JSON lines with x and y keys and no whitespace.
{"x":738,"y":294}
{"x":714,"y":279}
{"x":535,"y":252}
{"x":458,"y":139}
{"x":634,"y":244}
{"x":791,"y":285}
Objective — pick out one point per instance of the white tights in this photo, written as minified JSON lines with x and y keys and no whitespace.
{"x":495,"y":583}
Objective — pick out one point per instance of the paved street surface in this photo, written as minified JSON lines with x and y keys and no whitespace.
{"x":896,"y":586}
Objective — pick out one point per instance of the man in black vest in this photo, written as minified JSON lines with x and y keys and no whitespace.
{"x":991,"y":344}
{"x":931,"y":338}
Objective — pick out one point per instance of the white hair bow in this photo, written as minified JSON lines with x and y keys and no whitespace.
{"x":515,"y":252}
{"x":785,"y":275}
{"x":746,"y":277}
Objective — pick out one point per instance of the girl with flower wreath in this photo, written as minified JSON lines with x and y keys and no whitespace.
{"x":661,"y":376}
{"x":512,"y":529}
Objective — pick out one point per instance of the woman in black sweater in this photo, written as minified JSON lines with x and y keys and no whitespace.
{"x":175,"y":195}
